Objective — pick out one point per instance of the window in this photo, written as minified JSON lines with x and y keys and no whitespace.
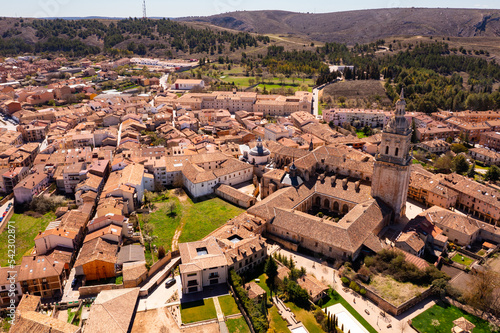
{"x":397,"y":152}
{"x":387,"y":150}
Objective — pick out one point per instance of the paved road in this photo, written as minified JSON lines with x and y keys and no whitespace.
{"x":330,"y":276}
{"x":316,"y":102}
{"x":163,"y":81}
{"x":71,"y":294}
{"x":159,"y":297}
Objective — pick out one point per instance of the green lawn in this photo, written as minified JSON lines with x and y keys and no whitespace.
{"x":295,"y":87}
{"x":361,"y":134}
{"x":238,"y":325}
{"x":262,"y":283}
{"x":228,"y":305}
{"x":27,"y":228}
{"x":458,"y":258}
{"x":334,"y":298}
{"x":201,"y":218}
{"x":306,"y":317}
{"x":446,"y":315}
{"x":198,"y":311}
{"x":276,"y":322}
{"x":164,"y":223}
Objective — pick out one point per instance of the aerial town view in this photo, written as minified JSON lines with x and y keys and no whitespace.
{"x":249,"y":167}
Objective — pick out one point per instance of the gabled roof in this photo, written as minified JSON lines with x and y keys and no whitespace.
{"x":112,"y":311}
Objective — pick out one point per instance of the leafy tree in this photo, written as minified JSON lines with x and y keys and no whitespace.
{"x":472,"y":171}
{"x":458,"y":148}
{"x":271,"y":270}
{"x":493,"y":174}
{"x":460,"y":164}
{"x":444,"y":163}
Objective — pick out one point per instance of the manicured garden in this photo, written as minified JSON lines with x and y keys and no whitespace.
{"x":198,"y":311}
{"x":461,"y":259}
{"x":334,"y":298}
{"x":237,"y":325}
{"x":306,"y":317}
{"x":27,"y":227}
{"x":228,"y":305}
{"x":439,"y":318}
{"x":277,"y":323}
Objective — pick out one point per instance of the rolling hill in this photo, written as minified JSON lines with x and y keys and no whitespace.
{"x":363,"y":26}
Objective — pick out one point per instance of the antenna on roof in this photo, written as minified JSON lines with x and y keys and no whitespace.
{"x":144,"y":16}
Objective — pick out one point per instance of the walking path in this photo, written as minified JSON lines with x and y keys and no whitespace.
{"x":220,"y":316}
{"x":287,"y":314}
{"x":329,"y":276}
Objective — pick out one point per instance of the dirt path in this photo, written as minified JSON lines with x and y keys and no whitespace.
{"x":175,"y":240}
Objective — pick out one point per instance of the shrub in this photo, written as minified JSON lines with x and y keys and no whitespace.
{"x":362,"y":291}
{"x":43,"y":204}
{"x":354,"y":286}
{"x":344,"y":280}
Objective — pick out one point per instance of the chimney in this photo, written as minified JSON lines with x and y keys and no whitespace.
{"x":344,"y":183}
{"x":334,"y":180}
{"x":357,"y":184}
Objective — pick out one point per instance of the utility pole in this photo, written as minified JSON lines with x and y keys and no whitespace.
{"x":144,"y":16}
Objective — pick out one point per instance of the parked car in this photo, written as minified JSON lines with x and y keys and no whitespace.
{"x":170,"y":282}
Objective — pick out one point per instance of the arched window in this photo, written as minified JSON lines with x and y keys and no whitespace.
{"x":336,"y":206}
{"x":326,"y":204}
{"x":387,"y":150}
{"x":345,"y":209}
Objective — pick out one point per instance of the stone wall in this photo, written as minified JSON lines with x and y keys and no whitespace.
{"x":391,"y":308}
{"x":94,"y":290}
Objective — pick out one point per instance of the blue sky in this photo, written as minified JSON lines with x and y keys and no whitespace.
{"x":165,"y":8}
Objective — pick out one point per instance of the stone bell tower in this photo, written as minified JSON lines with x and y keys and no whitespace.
{"x":391,"y":174}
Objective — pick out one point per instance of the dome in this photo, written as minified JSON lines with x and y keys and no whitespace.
{"x":259,"y":149}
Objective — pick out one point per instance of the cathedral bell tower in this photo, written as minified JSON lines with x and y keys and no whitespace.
{"x":391,"y":174}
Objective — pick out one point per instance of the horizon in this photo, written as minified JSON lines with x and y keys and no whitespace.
{"x":159,"y":9}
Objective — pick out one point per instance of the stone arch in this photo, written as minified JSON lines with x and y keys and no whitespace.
{"x":345,"y":209}
{"x":336,"y":206}
{"x":326,"y":204}
{"x":318,"y":201}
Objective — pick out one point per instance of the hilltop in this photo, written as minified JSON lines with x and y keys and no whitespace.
{"x":363,"y":26}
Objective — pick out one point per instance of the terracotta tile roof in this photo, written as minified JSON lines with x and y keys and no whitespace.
{"x":97,"y":249}
{"x":31,"y":321}
{"x":38,"y":267}
{"x":112,"y":311}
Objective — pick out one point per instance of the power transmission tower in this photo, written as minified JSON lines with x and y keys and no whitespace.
{"x":144,"y":16}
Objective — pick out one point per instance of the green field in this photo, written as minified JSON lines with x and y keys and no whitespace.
{"x":276,"y":322}
{"x":198,"y":311}
{"x":238,"y":325}
{"x":27,"y":228}
{"x":445,"y":315}
{"x":306,"y":317}
{"x":458,"y":258}
{"x":228,"y":305}
{"x":201,"y":218}
{"x":164,"y":223}
{"x":196,"y":220}
{"x":334,"y":298}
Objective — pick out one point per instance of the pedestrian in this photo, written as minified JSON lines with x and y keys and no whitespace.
{"x":354,"y":300}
